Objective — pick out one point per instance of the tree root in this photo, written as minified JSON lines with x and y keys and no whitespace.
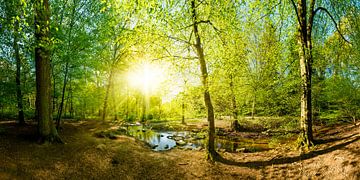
{"x":213,"y":156}
{"x":50,"y":139}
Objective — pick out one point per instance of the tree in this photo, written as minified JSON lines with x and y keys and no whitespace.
{"x":212,"y":154}
{"x":305,"y":17}
{"x":46,"y":128}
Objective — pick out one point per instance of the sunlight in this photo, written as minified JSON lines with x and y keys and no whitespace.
{"x":146,"y":77}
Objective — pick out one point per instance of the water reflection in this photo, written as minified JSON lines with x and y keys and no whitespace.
{"x":165,"y":140}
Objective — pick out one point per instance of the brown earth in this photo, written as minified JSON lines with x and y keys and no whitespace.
{"x":83,"y":156}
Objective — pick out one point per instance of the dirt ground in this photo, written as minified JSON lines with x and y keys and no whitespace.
{"x":83,"y":156}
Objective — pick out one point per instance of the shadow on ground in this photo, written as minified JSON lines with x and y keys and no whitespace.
{"x":288,"y":160}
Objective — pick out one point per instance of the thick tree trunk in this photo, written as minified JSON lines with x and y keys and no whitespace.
{"x":18,"y":75}
{"x":212,"y":154}
{"x":46,"y":128}
{"x":306,"y":109}
{"x":305,"y":54}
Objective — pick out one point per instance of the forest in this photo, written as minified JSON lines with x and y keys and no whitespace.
{"x":179,"y":89}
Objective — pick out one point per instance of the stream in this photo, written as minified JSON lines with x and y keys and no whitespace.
{"x":166,"y":140}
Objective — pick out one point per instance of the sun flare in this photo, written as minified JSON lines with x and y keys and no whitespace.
{"x":146,"y":77}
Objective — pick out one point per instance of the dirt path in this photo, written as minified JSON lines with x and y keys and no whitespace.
{"x":87,"y":157}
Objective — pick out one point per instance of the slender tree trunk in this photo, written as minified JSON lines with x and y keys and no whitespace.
{"x":183,"y":113}
{"x":107,"y":96}
{"x":84,"y":99}
{"x":253,"y":108}
{"x":127,"y":102}
{"x":233,"y":99}
{"x":212,"y":154}
{"x":183,"y":104}
{"x":60,"y":110}
{"x":18,"y":75}
{"x":46,"y":128}
{"x":114,"y":105}
{"x":54,"y":90}
{"x":72,"y":110}
{"x":160,"y":112}
{"x":110,"y":83}
{"x":143,"y":116}
{"x":58,"y":119}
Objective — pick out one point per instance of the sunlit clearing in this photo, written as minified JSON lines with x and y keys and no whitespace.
{"x":146,"y":77}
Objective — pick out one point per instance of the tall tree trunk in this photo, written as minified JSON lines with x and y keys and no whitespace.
{"x":160,"y":112}
{"x":212,"y":154}
{"x":54,"y":98}
{"x":58,"y":119}
{"x":127,"y":102}
{"x":110,"y":83}
{"x":143,"y":116}
{"x":233,"y":99}
{"x":183,"y":104}
{"x":72,"y":110}
{"x":305,"y":54}
{"x":253,"y":108}
{"x":18,"y":75}
{"x":107,"y":96}
{"x":114,"y":105}
{"x":46,"y":128}
{"x":60,"y":110}
{"x":183,"y":113}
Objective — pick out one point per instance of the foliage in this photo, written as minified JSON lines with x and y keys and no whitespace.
{"x":250,"y":48}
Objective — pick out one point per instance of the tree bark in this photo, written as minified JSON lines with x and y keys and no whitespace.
{"x":143,"y":116}
{"x":58,"y":119}
{"x":233,"y":99}
{"x":46,"y":128}
{"x":21,"y":118}
{"x":212,"y":154}
{"x":183,"y":112}
{"x":253,"y":108}
{"x":107,"y":96}
{"x":110,"y":83}
{"x":305,"y":54}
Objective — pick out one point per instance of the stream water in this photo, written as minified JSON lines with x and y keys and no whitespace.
{"x":165,"y":140}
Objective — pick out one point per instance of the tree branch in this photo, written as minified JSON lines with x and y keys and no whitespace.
{"x":197,"y":23}
{"x":296,"y":11}
{"x":332,"y":18}
{"x":174,"y":56}
{"x":180,"y":40}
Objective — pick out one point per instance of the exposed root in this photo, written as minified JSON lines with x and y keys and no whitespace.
{"x":304,"y":142}
{"x":212,"y":156}
{"x":50,"y":139}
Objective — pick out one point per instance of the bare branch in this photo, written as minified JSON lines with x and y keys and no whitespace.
{"x":268,"y":13}
{"x":180,"y":57}
{"x":296,"y":11}
{"x":196,"y":23}
{"x":180,"y":40}
{"x":332,"y":18}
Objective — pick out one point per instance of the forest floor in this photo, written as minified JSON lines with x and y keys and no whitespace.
{"x":83,"y":156}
